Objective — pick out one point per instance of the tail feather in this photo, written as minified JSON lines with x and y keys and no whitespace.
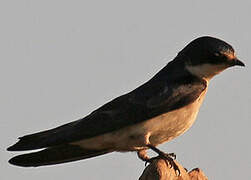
{"x":55,"y":155}
{"x":52,"y":137}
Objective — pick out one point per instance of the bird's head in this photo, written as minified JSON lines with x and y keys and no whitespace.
{"x":207,"y":56}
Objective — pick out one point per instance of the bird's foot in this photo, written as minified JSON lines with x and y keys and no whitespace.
{"x":150,"y":160}
{"x":170,"y":161}
{"x":168,"y":157}
{"x":173,"y":155}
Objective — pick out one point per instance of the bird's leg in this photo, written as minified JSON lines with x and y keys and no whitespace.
{"x":172,"y":155}
{"x":169,"y":158}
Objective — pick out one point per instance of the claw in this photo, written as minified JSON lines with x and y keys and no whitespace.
{"x":146,"y":162}
{"x":169,"y":159}
{"x":172,"y":155}
{"x":171,"y":165}
{"x":176,"y":169}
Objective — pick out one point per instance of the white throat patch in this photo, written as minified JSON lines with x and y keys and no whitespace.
{"x":206,"y":71}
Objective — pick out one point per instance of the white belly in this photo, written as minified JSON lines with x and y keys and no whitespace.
{"x":172,"y":124}
{"x":155,"y":131}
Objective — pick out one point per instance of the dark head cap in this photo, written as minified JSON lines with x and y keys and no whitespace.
{"x":210,"y":50}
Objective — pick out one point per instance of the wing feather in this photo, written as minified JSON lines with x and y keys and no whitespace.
{"x":149,"y":100}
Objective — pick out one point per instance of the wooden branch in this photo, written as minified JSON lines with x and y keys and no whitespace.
{"x":158,"y":170}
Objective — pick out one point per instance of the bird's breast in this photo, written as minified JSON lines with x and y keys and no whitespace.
{"x":167,"y":126}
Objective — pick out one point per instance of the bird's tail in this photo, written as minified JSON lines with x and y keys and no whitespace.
{"x":55,"y":155}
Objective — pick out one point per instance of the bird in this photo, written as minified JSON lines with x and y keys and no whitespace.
{"x":158,"y":111}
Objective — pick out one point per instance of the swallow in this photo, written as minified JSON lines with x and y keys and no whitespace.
{"x":161,"y":109}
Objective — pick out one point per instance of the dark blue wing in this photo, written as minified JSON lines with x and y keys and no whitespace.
{"x":149,"y":100}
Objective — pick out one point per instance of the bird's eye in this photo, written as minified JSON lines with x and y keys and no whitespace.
{"x":217,"y":54}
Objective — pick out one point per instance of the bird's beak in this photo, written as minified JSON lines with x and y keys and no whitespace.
{"x":237,"y":62}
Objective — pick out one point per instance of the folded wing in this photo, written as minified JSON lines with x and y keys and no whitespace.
{"x":147,"y":101}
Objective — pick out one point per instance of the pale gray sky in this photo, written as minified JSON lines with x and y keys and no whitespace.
{"x":62,"y":59}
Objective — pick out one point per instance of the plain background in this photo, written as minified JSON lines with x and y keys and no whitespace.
{"x":62,"y":59}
